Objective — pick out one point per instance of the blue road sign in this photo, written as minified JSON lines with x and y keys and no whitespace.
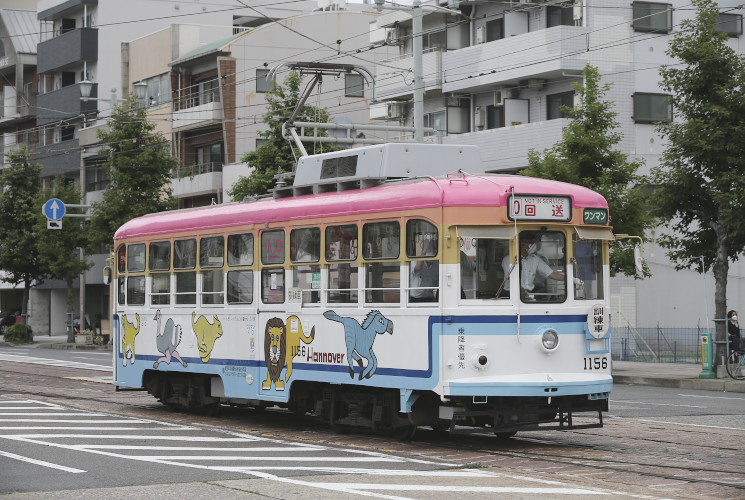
{"x":54,"y":209}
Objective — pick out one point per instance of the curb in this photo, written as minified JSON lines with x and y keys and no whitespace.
{"x":719,"y":385}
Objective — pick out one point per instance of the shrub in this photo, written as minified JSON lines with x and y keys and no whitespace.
{"x":18,"y":333}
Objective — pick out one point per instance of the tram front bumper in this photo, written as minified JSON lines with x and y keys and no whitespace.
{"x":595,"y":386}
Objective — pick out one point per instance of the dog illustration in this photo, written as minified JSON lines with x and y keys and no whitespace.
{"x":167,"y":340}
{"x":294,"y":335}
{"x":360,"y":338}
{"x":207,"y":334}
{"x":275,"y":353}
{"x":128,"y":339}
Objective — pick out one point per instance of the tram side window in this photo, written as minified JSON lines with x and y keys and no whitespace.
{"x":121,"y":259}
{"x":305,"y":246}
{"x":484,"y":268}
{"x":240,"y":249}
{"x":273,"y":285}
{"x":273,"y":247}
{"x":240,"y":287}
{"x":136,"y":290}
{"x":588,"y":269}
{"x":184,"y":258}
{"x":160,"y":260}
{"x":381,"y":240}
{"x":211,"y":254}
{"x":543,"y":266}
{"x":341,"y":245}
{"x":424,"y":274}
{"x":136,"y":258}
{"x":121,"y":287}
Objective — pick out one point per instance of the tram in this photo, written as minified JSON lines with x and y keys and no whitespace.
{"x":386,"y":288}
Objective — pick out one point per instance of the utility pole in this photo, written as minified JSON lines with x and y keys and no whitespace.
{"x":417,"y":12}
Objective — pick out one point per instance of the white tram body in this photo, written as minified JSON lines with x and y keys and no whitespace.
{"x":312,"y":300}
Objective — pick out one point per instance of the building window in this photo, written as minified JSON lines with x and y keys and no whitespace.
{"x":436,"y":121}
{"x":555,"y":103}
{"x":654,"y":17}
{"x":730,"y":24}
{"x":158,"y":90}
{"x":208,"y":158}
{"x":262,"y":84}
{"x":560,"y":16}
{"x":495,"y":30}
{"x":354,"y":85}
{"x":652,"y":108}
{"x":494,"y":116}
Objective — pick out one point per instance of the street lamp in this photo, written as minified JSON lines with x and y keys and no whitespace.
{"x":86,"y":86}
{"x":416,"y":11}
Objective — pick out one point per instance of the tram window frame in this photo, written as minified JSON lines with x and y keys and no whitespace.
{"x":554,"y":293}
{"x":212,"y":252}
{"x":163,"y":295}
{"x":136,"y":290}
{"x":186,"y":291}
{"x":238,"y":242}
{"x":213,"y":287}
{"x":121,"y":290}
{"x":121,"y":258}
{"x":341,"y":248}
{"x":422,"y":244}
{"x":278,"y":297}
{"x":186,"y":257}
{"x":270,"y":255}
{"x":384,"y":269}
{"x":485,"y":262}
{"x":160,"y":256}
{"x":305,"y":245}
{"x":136,"y":258}
{"x":234,"y":277}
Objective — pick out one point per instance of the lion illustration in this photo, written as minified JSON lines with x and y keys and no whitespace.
{"x":295,"y":335}
{"x":275,"y":353}
{"x":207,"y":333}
{"x":360,"y":337}
{"x":128,"y":339}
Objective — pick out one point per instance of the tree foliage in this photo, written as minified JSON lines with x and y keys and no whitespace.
{"x":700,"y":183}
{"x":139,"y":167}
{"x":587,"y":155}
{"x":20,"y":217}
{"x":276,"y":156}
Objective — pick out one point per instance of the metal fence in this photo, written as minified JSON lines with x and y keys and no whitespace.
{"x":657,"y":344}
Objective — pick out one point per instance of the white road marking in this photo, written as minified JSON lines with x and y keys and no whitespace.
{"x":623,"y":401}
{"x":40,"y":462}
{"x":53,"y":362}
{"x":271,"y":458}
{"x":461,"y":489}
{"x":195,"y":448}
{"x":712,"y":397}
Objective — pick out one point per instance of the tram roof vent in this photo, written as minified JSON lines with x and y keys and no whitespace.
{"x":370,"y":166}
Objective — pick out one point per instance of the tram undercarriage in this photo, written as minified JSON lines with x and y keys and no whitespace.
{"x":351,"y":407}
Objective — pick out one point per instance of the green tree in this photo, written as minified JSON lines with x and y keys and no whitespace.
{"x":60,"y":249}
{"x":587,"y":156}
{"x":139,"y":166}
{"x":700,"y":182}
{"x":20,"y":216}
{"x":276,"y":155}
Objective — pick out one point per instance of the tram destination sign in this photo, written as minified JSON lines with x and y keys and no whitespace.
{"x":536,"y":207}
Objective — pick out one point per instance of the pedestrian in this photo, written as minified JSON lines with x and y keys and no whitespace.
{"x":733,"y":331}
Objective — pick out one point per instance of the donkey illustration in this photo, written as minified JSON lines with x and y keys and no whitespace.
{"x":360,"y":338}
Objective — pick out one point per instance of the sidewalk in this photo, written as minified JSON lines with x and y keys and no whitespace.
{"x":678,"y":375}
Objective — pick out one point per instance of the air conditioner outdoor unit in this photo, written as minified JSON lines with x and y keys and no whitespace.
{"x":478,"y":117}
{"x":391,"y":36}
{"x":481,"y":34}
{"x":395,"y":109}
{"x":500,"y":94}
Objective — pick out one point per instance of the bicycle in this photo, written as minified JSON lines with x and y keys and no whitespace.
{"x":736,"y":365}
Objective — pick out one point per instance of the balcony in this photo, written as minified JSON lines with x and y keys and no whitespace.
{"x":539,"y":54}
{"x":198,"y":179}
{"x":74,"y":46}
{"x":197,"y":110}
{"x":396,"y":76}
{"x":507,"y":148}
{"x":64,"y":103}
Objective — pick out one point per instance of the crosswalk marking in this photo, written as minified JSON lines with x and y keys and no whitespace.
{"x":53,"y":362}
{"x":170,"y":444}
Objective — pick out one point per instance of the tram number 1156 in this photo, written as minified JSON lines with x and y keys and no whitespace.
{"x":596,"y":363}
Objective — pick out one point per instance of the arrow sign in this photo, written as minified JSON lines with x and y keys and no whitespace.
{"x":54,"y":209}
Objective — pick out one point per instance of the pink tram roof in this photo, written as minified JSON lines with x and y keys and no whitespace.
{"x":454,"y":191}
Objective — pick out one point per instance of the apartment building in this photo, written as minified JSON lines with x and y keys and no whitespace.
{"x":496,"y":75}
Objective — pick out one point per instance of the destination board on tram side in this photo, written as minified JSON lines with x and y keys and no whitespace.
{"x":526,"y":207}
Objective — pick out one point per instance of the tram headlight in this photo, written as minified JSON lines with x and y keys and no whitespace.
{"x":550,"y":340}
